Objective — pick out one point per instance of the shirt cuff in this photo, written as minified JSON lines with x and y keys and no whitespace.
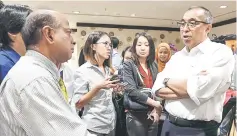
{"x":156,"y":88}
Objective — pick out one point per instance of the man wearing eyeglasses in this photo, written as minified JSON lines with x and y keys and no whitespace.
{"x":195,"y":80}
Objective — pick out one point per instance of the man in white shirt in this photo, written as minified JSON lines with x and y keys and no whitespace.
{"x":116,"y":58}
{"x":195,"y":80}
{"x":31,"y":98}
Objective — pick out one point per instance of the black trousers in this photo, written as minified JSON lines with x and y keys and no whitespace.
{"x":138,"y":124}
{"x":170,"y":129}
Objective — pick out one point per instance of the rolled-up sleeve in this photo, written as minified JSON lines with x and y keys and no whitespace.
{"x":131,"y":87}
{"x":80,"y":86}
{"x":158,"y":84}
{"x":203,"y":87}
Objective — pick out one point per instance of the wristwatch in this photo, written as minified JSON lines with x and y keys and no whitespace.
{"x":165,"y":81}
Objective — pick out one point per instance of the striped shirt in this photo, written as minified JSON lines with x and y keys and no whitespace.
{"x":32,"y":104}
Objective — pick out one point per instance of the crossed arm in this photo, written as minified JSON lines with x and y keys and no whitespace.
{"x":198,"y":87}
{"x":176,"y":89}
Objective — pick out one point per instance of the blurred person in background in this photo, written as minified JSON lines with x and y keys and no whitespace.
{"x":163,"y":54}
{"x":12,"y":46}
{"x":116,"y":58}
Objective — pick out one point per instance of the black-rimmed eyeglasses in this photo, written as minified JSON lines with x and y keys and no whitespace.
{"x":190,"y":24}
{"x":107,"y":44}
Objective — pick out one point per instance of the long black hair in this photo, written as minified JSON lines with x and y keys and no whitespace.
{"x":151,"y":56}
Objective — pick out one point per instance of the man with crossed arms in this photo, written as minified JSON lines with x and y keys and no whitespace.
{"x":195,"y":80}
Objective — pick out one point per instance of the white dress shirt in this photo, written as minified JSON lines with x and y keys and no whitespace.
{"x":116,"y":59}
{"x":32,"y":104}
{"x":207,"y":92}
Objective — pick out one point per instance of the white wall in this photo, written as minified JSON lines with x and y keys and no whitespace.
{"x":223,"y":30}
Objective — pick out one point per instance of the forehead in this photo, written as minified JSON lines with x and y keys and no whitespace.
{"x":104,"y":38}
{"x":63,"y":20}
{"x":142,"y":39}
{"x":128,"y":53}
{"x":194,"y":14}
{"x":163,"y":49}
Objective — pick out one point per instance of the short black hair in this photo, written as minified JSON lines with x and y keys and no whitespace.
{"x":124,"y":51}
{"x":12,"y":20}
{"x":115,"y":42}
{"x":151,"y":56}
{"x":31,"y":32}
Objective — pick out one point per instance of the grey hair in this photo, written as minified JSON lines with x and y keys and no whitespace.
{"x":31,"y":32}
{"x":207,"y":14}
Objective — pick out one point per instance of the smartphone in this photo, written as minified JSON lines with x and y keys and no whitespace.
{"x":114,"y":77}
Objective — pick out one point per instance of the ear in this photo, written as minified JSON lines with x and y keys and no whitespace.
{"x":48,"y":34}
{"x":209,"y":27}
{"x":93,"y":46}
{"x":12,"y":36}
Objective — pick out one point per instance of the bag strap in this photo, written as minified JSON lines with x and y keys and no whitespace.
{"x":139,"y":75}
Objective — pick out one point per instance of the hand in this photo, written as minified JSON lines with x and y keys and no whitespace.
{"x":119,"y":87}
{"x":107,"y":84}
{"x":154,"y":116}
{"x":158,"y":107}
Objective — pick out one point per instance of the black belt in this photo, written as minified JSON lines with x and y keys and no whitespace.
{"x":190,"y":123}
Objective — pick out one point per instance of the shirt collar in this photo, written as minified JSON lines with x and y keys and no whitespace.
{"x":90,"y":65}
{"x":12,"y":54}
{"x":48,"y":64}
{"x":203,"y":47}
{"x":62,"y":67}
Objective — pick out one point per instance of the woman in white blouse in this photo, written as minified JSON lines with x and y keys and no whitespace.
{"x":93,"y":88}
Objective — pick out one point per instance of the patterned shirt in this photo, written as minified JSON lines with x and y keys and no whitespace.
{"x":32,"y":104}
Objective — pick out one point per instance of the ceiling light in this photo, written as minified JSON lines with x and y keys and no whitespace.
{"x":223,"y":6}
{"x":76,"y":12}
{"x":133,"y":15}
